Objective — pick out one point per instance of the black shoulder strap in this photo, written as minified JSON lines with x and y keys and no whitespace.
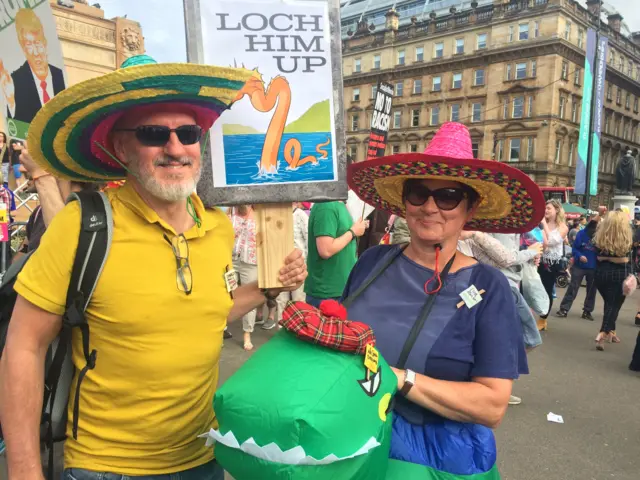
{"x":385,"y":263}
{"x":96,"y":233}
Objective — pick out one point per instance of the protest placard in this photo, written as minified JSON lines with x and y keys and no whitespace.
{"x":31,"y":63}
{"x":380,"y":121}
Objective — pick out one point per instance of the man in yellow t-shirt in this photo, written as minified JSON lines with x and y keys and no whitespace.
{"x":156,"y":316}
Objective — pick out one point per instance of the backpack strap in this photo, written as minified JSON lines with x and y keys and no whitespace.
{"x":96,"y":233}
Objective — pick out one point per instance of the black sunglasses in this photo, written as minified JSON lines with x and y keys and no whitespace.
{"x":445,"y":198}
{"x":158,"y":135}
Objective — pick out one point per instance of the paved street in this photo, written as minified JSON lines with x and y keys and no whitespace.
{"x":594,"y":392}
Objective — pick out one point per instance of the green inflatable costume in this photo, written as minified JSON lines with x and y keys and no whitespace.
{"x":298,"y":410}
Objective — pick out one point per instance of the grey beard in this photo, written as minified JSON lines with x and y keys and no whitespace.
{"x":168,"y":193}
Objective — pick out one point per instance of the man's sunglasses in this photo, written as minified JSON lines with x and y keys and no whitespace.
{"x":445,"y":198}
{"x":158,"y":135}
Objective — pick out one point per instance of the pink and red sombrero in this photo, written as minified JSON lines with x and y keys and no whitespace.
{"x":510,"y":202}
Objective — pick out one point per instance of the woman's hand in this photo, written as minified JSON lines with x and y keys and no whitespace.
{"x":400,"y":375}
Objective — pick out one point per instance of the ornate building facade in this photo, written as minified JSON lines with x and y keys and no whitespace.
{"x":511,"y":70}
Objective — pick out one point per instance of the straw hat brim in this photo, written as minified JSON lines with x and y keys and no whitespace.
{"x":60,"y":134}
{"x":510,"y":202}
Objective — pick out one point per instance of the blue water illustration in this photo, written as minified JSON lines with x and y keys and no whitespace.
{"x":243,"y":152}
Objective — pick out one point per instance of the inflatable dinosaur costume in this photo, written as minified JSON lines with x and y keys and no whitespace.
{"x":312,"y":403}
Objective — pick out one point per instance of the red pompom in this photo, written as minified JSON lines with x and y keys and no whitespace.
{"x":332,"y":308}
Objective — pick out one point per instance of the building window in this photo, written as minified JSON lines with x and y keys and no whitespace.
{"x":565,"y":71}
{"x":619,"y":96}
{"x":607,"y":122}
{"x":478,"y":77}
{"x":505,"y":110}
{"x":627,"y":103}
{"x":376,"y":61}
{"x":417,"y":86}
{"x":629,"y":68}
{"x":436,"y":84}
{"x":577,"y":76}
{"x":353,"y":152}
{"x":374,"y":91}
{"x":435,"y":116}
{"x":475,"y":148}
{"x":419,"y":54}
{"x":397,"y":119}
{"x":609,"y":92}
{"x":530,"y":107}
{"x":500,"y":150}
{"x":399,"y":89}
{"x":567,"y":31}
{"x":580,"y":38}
{"x":481,"y":41}
{"x":514,"y":149}
{"x":523,"y":31}
{"x":356,"y":94}
{"x":536,"y":29}
{"x":635,"y":105}
{"x":357,"y":65}
{"x":457,"y":80}
{"x":563,"y":104}
{"x":395,"y":149}
{"x":355,"y":123}
{"x":413,"y":148}
{"x":518,"y":107}
{"x":574,"y":111}
{"x":521,"y":71}
{"x":400,"y":57}
{"x":508,"y":73}
{"x":455,"y":112}
{"x":415,"y":117}
{"x":621,"y":64}
{"x":572,"y":152}
{"x":459,"y":46}
{"x":476,"y":112}
{"x":438,"y":50}
{"x":616,"y":127}
{"x":558,"y":151}
{"x":531,"y":149}
{"x":510,"y":37}
{"x":612,"y":58}
{"x":534,"y":68}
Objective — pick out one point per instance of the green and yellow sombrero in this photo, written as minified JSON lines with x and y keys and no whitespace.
{"x":69,"y":133}
{"x":510,"y":202}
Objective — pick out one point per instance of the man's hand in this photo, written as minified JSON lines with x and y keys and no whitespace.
{"x":293,"y":274}
{"x":536,"y":247}
{"x":32,"y":168}
{"x":583,"y":259}
{"x":360,"y":227}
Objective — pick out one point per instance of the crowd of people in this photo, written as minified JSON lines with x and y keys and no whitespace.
{"x":457,"y":300}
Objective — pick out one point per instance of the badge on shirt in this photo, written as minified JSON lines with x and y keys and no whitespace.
{"x":371,"y":359}
{"x":231,"y":280}
{"x":471,"y":296}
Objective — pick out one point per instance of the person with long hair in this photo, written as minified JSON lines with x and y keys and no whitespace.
{"x":613,"y":241}
{"x":554,"y":233}
{"x":4,"y":156}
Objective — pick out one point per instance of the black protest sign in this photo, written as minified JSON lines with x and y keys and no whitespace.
{"x":380,"y":122}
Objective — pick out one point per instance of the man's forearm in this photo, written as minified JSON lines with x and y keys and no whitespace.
{"x":339,"y":244}
{"x":51,"y":200}
{"x":245,"y":298}
{"x":21,"y":374}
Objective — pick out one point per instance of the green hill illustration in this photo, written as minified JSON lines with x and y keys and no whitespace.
{"x":235,"y":129}
{"x":316,"y":119}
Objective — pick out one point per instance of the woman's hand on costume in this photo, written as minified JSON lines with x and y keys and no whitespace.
{"x":466,"y":235}
{"x":536,"y":247}
{"x":400,"y":375}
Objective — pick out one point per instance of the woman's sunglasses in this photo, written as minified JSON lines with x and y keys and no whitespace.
{"x":445,"y":198}
{"x":158,"y":135}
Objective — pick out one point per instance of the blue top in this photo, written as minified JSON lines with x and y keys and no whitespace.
{"x":483,"y":341}
{"x":583,"y":247}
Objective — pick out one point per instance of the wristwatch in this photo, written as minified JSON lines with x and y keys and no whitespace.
{"x":409,"y":382}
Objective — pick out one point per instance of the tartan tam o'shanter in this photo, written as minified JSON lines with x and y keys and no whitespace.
{"x":327,"y":326}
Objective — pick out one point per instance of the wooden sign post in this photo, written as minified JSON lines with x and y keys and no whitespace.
{"x":283,"y":140}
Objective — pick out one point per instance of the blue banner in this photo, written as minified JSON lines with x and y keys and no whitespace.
{"x":601,"y":71}
{"x":585,"y":120}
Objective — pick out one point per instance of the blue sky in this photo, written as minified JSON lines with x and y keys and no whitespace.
{"x":163,"y":23}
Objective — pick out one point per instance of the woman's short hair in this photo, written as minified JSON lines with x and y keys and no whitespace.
{"x":614,"y":234}
{"x":472,"y":196}
{"x":560,"y":215}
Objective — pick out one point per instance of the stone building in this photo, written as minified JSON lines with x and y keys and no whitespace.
{"x":91,"y":44}
{"x":511,"y":70}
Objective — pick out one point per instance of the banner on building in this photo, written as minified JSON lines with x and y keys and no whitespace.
{"x":31,"y":63}
{"x":601,"y":71}
{"x":585,"y":123}
{"x":381,"y":121}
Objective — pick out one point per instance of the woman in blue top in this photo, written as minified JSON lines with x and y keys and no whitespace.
{"x":445,"y":322}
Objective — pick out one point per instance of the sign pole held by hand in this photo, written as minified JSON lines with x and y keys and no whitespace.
{"x":274,"y":240}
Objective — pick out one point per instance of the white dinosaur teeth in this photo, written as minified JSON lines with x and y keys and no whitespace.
{"x":272,"y":453}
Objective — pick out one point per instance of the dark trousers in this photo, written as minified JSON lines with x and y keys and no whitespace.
{"x":635,"y":360}
{"x":548,"y":281}
{"x":577,"y":274}
{"x":609,"y":283}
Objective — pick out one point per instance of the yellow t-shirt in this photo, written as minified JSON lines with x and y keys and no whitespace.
{"x":150,"y":394}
